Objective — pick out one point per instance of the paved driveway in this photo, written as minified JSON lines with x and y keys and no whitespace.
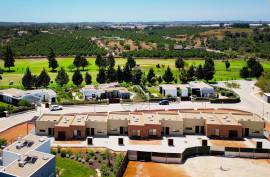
{"x":249,"y":100}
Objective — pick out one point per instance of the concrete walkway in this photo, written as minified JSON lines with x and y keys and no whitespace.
{"x":111,"y":142}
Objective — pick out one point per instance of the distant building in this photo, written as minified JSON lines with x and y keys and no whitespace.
{"x":178,"y":47}
{"x":28,"y":157}
{"x":13,"y":96}
{"x":20,"y":33}
{"x":201,"y":89}
{"x":266,"y":97}
{"x":105,"y":91}
{"x":173,"y":90}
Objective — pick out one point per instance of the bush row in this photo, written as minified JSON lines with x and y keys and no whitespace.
{"x":82,"y":102}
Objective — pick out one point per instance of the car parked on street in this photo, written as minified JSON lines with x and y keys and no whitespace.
{"x":56,"y":108}
{"x":164,"y":102}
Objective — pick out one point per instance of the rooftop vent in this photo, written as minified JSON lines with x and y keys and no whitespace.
{"x":45,"y":157}
{"x":42,"y":139}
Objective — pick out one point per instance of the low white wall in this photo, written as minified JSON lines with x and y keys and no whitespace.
{"x":247,"y":154}
{"x":232,"y":154}
{"x":132,"y":155}
{"x":261,"y":155}
{"x":159,"y":159}
{"x":174,"y":160}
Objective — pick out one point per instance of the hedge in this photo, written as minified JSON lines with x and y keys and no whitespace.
{"x":226,"y":100}
{"x":232,"y":96}
{"x":83,"y":102}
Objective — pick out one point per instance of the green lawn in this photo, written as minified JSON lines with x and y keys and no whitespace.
{"x":71,"y":168}
{"x":36,"y":65}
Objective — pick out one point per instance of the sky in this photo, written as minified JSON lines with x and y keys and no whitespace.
{"x":132,"y":10}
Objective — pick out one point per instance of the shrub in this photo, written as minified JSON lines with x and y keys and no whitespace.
{"x":3,"y":142}
{"x":69,"y":151}
{"x":63,"y":153}
{"x":90,"y":154}
{"x":53,"y":152}
{"x":105,"y":171}
{"x":24,"y":103}
{"x":226,"y":100}
{"x":58,"y":149}
{"x":78,"y":156}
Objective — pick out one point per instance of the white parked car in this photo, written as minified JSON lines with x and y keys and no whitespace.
{"x":56,"y":108}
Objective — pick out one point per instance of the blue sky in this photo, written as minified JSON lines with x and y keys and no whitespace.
{"x":132,"y":10}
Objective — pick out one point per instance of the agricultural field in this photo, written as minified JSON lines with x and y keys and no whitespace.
{"x":36,"y":65}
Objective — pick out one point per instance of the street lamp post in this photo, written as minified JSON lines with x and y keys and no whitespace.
{"x":263,"y":109}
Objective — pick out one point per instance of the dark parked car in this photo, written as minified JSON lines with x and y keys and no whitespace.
{"x":164,"y":102}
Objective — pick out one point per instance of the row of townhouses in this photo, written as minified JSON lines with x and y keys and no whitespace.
{"x":143,"y":125}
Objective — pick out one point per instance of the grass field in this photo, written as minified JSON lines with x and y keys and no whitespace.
{"x":70,"y":168}
{"x":36,"y":65}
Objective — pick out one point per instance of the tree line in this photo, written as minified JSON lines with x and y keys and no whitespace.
{"x":191,"y":53}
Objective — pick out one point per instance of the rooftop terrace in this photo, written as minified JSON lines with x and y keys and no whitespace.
{"x":26,"y":144}
{"x":28,"y":164}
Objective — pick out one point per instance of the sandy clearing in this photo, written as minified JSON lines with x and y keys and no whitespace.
{"x":228,"y":143}
{"x":145,"y":142}
{"x":226,"y":167}
{"x":202,"y":167}
{"x":142,"y":169}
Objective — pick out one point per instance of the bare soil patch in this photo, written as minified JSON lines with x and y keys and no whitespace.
{"x":149,"y":169}
{"x":228,"y":143}
{"x":15,"y":132}
{"x":145,"y":142}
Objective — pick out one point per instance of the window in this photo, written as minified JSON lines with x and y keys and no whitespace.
{"x":136,"y":133}
{"x":75,"y":133}
{"x":188,"y":128}
{"x":42,"y":131}
{"x":153,"y":132}
{"x":175,"y":131}
{"x":217,"y":132}
{"x":114,"y":129}
{"x":256,"y":131}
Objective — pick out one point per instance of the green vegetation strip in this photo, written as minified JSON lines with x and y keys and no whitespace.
{"x":36,"y":65}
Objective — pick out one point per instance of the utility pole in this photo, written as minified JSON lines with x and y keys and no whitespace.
{"x":263,"y":109}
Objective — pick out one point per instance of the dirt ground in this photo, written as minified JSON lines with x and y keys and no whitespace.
{"x":202,"y":167}
{"x":228,"y":143}
{"x":142,"y":142}
{"x":226,"y":167}
{"x":148,"y":169}
{"x":18,"y":131}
